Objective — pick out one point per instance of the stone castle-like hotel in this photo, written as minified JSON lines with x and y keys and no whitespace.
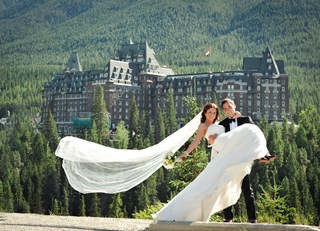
{"x":259,"y":89}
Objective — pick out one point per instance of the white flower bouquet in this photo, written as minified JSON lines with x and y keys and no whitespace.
{"x":169,"y":160}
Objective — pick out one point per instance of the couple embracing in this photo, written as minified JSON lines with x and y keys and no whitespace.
{"x":219,"y":185}
{"x":93,"y":168}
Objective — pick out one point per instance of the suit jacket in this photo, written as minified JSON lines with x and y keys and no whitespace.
{"x":241,"y":120}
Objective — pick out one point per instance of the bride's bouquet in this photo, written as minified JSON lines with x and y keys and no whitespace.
{"x":169,"y":160}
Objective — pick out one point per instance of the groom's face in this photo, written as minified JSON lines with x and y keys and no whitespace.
{"x":229,"y":109}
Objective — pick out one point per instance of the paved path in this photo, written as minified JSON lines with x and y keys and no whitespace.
{"x":35,"y":222}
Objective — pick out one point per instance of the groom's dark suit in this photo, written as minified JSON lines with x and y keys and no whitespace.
{"x":246,"y":186}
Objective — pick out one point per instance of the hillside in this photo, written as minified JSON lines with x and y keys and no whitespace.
{"x":37,"y":33}
{"x":37,"y":38}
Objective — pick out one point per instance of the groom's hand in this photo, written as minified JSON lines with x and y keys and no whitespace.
{"x":212,"y":138}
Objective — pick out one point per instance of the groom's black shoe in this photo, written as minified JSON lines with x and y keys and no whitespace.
{"x":267,"y":158}
{"x":253,"y":221}
{"x":228,"y":220}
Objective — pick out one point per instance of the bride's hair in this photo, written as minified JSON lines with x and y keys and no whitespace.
{"x":206,"y":108}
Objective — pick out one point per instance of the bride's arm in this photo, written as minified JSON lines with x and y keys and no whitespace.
{"x":194,"y":143}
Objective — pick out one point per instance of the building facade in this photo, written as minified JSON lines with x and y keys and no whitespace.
{"x":259,"y":89}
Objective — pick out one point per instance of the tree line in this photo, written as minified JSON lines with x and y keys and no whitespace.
{"x":32,"y":179}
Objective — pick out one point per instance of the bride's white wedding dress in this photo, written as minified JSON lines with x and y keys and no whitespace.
{"x":218,"y":186}
{"x":92,"y":168}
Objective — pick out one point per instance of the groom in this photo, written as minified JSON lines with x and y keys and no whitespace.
{"x":231,"y":123}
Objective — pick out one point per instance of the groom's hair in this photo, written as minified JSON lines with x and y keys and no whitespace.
{"x":227,"y":100}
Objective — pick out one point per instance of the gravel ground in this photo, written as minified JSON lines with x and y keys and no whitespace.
{"x":30,"y":222}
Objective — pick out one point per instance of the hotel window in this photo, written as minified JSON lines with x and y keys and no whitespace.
{"x":275,"y":96}
{"x":258,"y":81}
{"x":283,"y":89}
{"x":283,"y":96}
{"x":258,"y":96}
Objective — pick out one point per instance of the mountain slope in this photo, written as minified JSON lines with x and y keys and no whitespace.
{"x":38,"y":32}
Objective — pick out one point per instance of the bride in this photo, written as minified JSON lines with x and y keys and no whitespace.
{"x":218,"y":186}
{"x":92,"y":168}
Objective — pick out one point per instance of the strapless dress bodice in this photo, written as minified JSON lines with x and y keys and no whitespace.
{"x":214,"y":129}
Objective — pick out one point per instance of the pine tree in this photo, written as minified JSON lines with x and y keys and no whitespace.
{"x":152,"y":188}
{"x":171,"y":121}
{"x":162,"y":186}
{"x":50,"y":182}
{"x":55,"y":208}
{"x":115,"y":207}
{"x":65,"y":203}
{"x":121,"y":136}
{"x":159,"y":130}
{"x":99,"y":115}
{"x":9,"y":202}
{"x":93,"y":205}
{"x":82,"y":207}
{"x":35,"y":197}
{"x":272,"y":207}
{"x":134,"y":130}
{"x":1,"y":197}
{"x":94,"y":133}
{"x":143,"y":199}
{"x":51,"y":132}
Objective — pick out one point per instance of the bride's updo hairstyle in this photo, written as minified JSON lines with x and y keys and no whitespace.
{"x":206,"y":108}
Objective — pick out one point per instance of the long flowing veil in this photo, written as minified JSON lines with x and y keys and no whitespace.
{"x":93,"y":168}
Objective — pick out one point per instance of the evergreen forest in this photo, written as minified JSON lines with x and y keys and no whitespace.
{"x":37,"y":38}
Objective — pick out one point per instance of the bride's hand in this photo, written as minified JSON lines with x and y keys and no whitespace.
{"x":182,"y":157}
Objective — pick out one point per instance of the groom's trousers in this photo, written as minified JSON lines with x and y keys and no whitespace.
{"x":249,"y":199}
